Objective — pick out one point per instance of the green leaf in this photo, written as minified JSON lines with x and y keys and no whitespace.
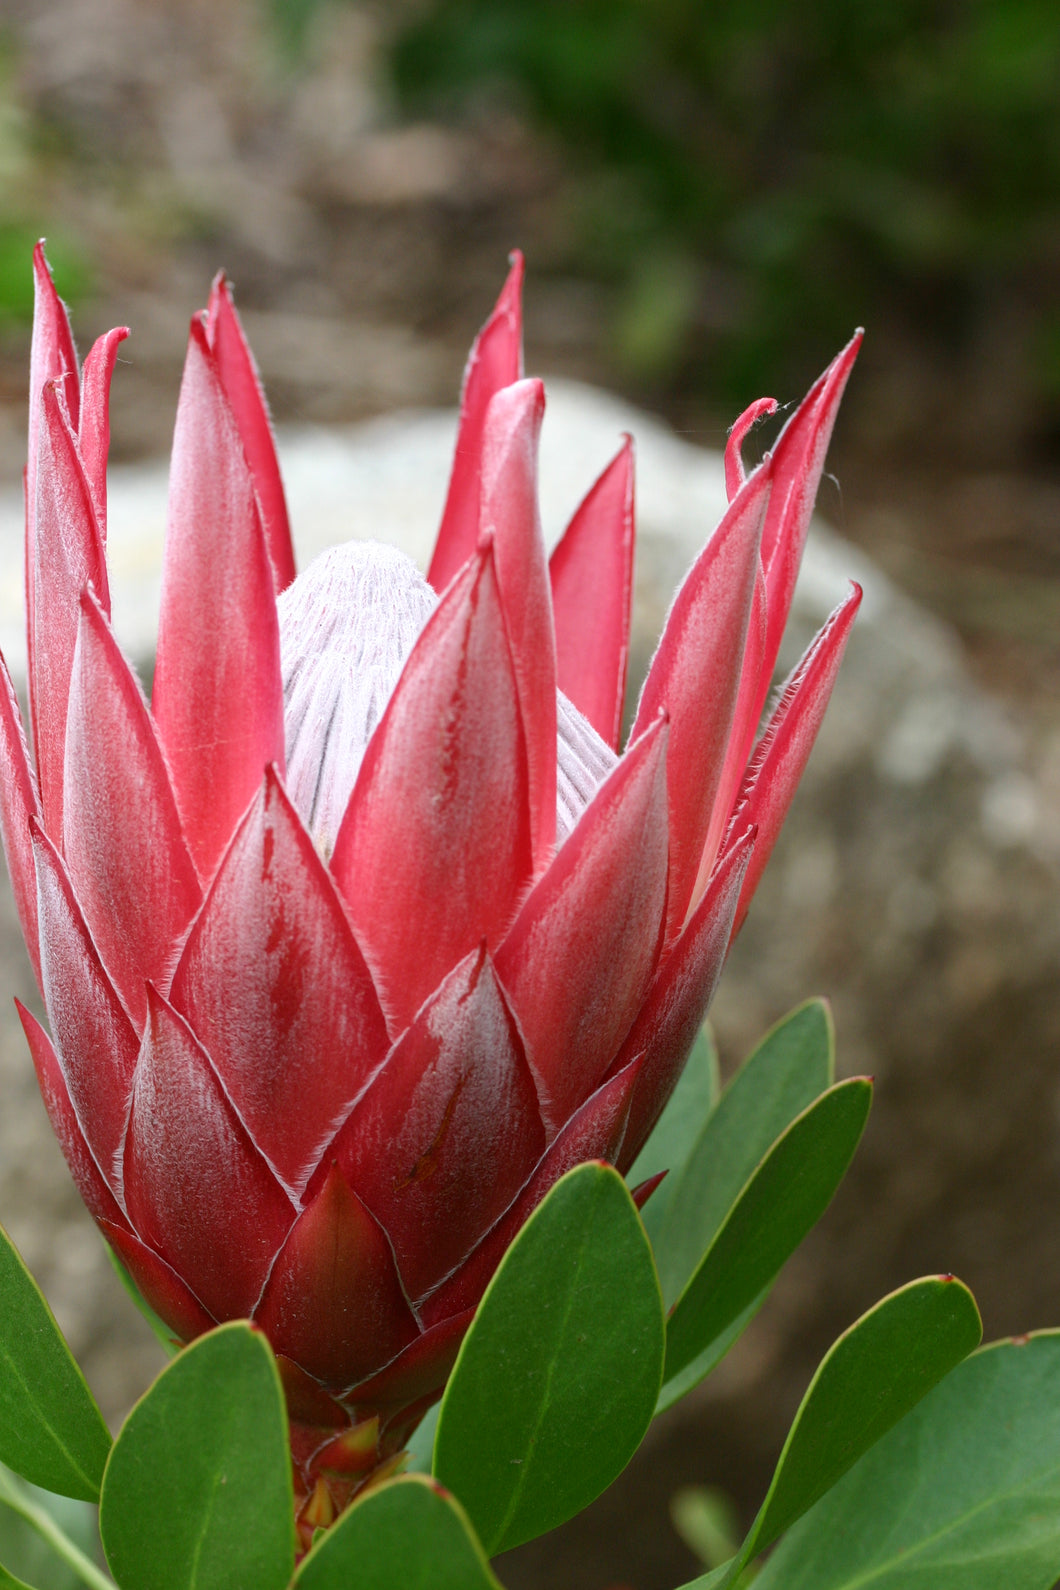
{"x":709,"y":1581}
{"x":963,"y":1494}
{"x":557,"y":1377}
{"x":704,"y":1363}
{"x":792,"y":1066}
{"x":420,"y":1445}
{"x":783,"y":1200}
{"x":51,"y":1431}
{"x":870,"y":1378}
{"x":197,"y":1492}
{"x":9,"y":1582}
{"x":158,"y":1326}
{"x":677,"y":1128}
{"x":405,"y":1535}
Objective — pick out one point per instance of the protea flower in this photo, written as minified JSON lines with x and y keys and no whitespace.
{"x":364,"y":932}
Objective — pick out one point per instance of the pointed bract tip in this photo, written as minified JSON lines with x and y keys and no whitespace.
{"x":511,"y":292}
{"x":220,"y":291}
{"x":40,"y":263}
{"x":844,"y":359}
{"x":528,"y":391}
{"x":643,"y":1190}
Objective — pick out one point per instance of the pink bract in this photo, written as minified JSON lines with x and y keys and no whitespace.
{"x":322,"y":1039}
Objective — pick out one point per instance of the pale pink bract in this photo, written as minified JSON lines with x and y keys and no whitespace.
{"x":319,"y":1046}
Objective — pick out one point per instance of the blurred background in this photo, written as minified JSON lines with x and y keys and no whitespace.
{"x":710,"y":198}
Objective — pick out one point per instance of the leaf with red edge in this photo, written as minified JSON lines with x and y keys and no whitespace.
{"x":246,"y":394}
{"x":94,"y":1038}
{"x":69,"y":557}
{"x":798,"y":461}
{"x":695,"y":676}
{"x":94,"y":429}
{"x":277,"y":991}
{"x":735,"y":473}
{"x":679,"y":998}
{"x":595,"y":1132}
{"x":434,"y":849}
{"x":510,"y":514}
{"x":98,"y":1198}
{"x":197,"y":1493}
{"x":122,"y":839}
{"x":333,"y":1302}
{"x":495,"y":361}
{"x":591,"y":572}
{"x":449,"y":1130}
{"x":159,"y":1285}
{"x":557,"y":1377}
{"x":408,"y":1534}
{"x":218,"y":694}
{"x":196,"y":1188}
{"x":19,"y":806}
{"x":785,"y":746}
{"x":583,"y":948}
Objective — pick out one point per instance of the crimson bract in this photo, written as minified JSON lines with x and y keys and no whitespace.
{"x":363,"y":932}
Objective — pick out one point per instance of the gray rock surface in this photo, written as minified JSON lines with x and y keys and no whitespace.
{"x":915,"y":884}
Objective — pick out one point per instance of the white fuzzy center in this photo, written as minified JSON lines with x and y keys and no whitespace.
{"x":347,"y":626}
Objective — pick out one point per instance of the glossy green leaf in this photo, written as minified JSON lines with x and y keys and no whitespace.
{"x":783,"y":1200}
{"x":709,"y":1581}
{"x":9,"y":1582}
{"x":557,"y":1377}
{"x":963,"y":1494}
{"x":677,"y":1129}
{"x":405,"y":1535}
{"x":51,"y":1431}
{"x":197,"y":1492}
{"x":870,"y":1379}
{"x":420,"y":1445}
{"x":792,"y":1066}
{"x":704,"y":1363}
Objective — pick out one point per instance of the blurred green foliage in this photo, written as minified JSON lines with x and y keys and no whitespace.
{"x":24,"y":207}
{"x":756,"y":177}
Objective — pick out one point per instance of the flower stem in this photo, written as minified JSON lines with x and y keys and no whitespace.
{"x":12,"y":1495}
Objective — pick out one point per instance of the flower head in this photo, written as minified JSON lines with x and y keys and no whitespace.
{"x":365,"y":930}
